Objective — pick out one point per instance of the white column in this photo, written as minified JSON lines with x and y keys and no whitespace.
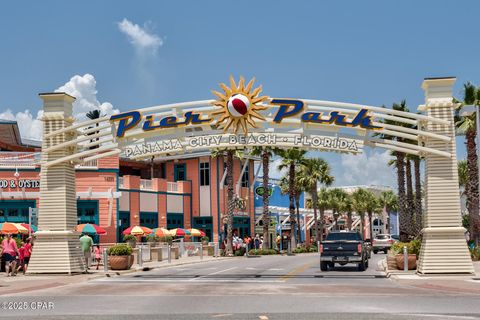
{"x":57,"y":247}
{"x":444,"y":248}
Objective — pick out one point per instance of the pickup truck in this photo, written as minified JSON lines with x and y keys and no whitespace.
{"x":343,"y":247}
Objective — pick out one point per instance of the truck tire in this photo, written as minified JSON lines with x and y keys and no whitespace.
{"x":323,"y":266}
{"x":362,"y":266}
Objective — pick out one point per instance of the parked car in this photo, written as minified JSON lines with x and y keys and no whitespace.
{"x":382,"y":242}
{"x":343,"y":247}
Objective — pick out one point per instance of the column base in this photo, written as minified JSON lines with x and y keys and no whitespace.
{"x":444,"y":251}
{"x":56,"y":252}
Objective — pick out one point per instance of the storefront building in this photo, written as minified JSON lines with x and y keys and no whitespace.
{"x":187,"y":191}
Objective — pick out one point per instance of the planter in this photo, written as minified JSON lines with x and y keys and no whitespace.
{"x":175,"y":252}
{"x":157,"y":253}
{"x":132,"y":243}
{"x":120,"y":262}
{"x":412,"y":261}
{"x":392,"y":263}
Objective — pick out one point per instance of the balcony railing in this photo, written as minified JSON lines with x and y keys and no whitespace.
{"x":91,"y":164}
{"x":145,"y":184}
{"x":172,"y":187}
{"x":19,"y":159}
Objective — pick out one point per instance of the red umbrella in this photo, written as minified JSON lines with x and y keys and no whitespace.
{"x":137,"y":231}
{"x":90,"y":228}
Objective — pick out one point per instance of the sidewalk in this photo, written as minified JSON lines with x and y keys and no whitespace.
{"x":21,"y":283}
{"x":461,"y":284}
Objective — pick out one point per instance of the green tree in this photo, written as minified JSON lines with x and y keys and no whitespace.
{"x":290,"y":159}
{"x":372,"y":205}
{"x":266,"y":153}
{"x":359,"y":197}
{"x":466,"y":125}
{"x":337,"y":200}
{"x":313,"y":171}
{"x":92,"y":115}
{"x":389,"y":201}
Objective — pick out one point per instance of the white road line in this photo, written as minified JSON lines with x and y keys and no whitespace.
{"x":213,"y":273}
{"x":197,"y":280}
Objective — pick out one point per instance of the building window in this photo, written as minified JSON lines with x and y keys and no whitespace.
{"x":180,"y":172}
{"x":246,"y":176}
{"x":12,"y":212}
{"x":204,"y":173}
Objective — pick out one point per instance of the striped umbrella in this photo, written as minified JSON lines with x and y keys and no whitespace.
{"x":90,"y":228}
{"x":30,"y":227}
{"x":196,"y":233}
{"x":161,"y":232}
{"x":178,"y":232}
{"x":12,"y":228}
{"x":137,"y":231}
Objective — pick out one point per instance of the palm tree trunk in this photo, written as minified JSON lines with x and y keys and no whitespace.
{"x":403,"y":219}
{"x":370,"y":222}
{"x":362,"y":220}
{"x":418,"y":197}
{"x":266,"y":199}
{"x":472,"y":185}
{"x":409,"y":212}
{"x":349,"y":221}
{"x":322,"y":216}
{"x":297,"y":206}
{"x":315,"y":204}
{"x":231,"y":202}
{"x":291,"y":193}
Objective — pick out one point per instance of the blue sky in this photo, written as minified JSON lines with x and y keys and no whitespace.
{"x":372,"y":52}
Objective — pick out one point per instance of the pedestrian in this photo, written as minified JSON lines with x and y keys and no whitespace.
{"x":256,"y":241}
{"x":9,"y":254}
{"x":277,"y":241}
{"x":21,"y":256}
{"x":96,"y":252}
{"x":26,"y":254}
{"x":86,"y":243}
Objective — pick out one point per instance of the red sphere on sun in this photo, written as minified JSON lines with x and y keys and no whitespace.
{"x":238,"y":105}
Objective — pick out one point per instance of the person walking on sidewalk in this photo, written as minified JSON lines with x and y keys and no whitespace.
{"x":97,"y":253}
{"x":86,"y":243}
{"x":9,"y":254}
{"x":26,"y":255}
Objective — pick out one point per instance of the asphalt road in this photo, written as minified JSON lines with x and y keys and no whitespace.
{"x":270,"y":287}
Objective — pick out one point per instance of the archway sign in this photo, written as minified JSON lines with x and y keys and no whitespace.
{"x":239,"y":116}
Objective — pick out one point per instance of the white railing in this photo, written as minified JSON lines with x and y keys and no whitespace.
{"x":19,"y":159}
{"x":172,"y":187}
{"x":120,"y":182}
{"x":145,"y":184}
{"x":88,"y":164}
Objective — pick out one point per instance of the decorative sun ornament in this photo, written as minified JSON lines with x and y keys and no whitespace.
{"x":240,"y":105}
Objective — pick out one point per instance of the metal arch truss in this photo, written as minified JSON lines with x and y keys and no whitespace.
{"x":94,"y":139}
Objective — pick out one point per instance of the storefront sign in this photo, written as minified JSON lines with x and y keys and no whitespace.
{"x":280,"y":140}
{"x":260,"y":190}
{"x":14,"y":183}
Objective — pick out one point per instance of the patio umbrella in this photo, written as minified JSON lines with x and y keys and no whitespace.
{"x":30,"y":227}
{"x":12,"y":228}
{"x":178,"y":232}
{"x":197,"y":233}
{"x":161,"y":232}
{"x":137,"y":231}
{"x":90,"y":228}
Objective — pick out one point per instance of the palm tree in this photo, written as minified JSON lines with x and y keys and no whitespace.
{"x":94,"y":114}
{"x":323,"y":203}
{"x":266,"y":153}
{"x":389,"y":201}
{"x":298,"y":189}
{"x":337,"y":201}
{"x":400,"y":165}
{"x":462,"y":175}
{"x":230,"y":154}
{"x":347,"y":207}
{"x":359,"y":205}
{"x":290,"y":159}
{"x":312,"y":171}
{"x":372,"y":206}
{"x":466,"y":125}
{"x":418,"y":219}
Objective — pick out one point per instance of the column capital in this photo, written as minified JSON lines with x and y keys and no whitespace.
{"x":438,"y":90}
{"x":57,"y":102}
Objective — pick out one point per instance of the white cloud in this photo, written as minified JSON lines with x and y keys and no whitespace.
{"x":141,"y":39}
{"x":366,"y":169}
{"x":30,"y":127}
{"x":84,"y":89}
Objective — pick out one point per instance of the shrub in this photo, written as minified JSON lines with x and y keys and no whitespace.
{"x":413,"y":247}
{"x":300,"y":250}
{"x":168,"y":239}
{"x":153,"y":238}
{"x":120,"y":250}
{"x":313,"y":249}
{"x":262,"y":252}
{"x":240,"y":252}
{"x":204,"y":239}
{"x":475,"y":253}
{"x":129,"y":237}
